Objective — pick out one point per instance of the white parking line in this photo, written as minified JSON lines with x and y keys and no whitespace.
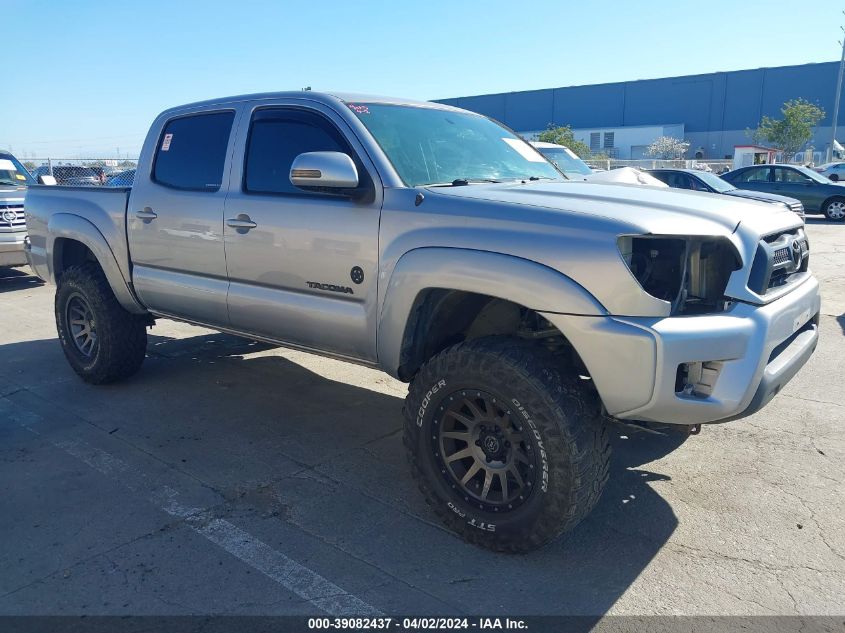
{"x":291,"y":575}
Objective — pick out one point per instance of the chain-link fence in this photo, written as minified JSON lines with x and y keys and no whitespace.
{"x":110,"y":172}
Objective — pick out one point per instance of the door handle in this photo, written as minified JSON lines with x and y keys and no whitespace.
{"x":146,"y":214}
{"x":242,"y":223}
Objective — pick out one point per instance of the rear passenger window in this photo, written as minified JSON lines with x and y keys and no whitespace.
{"x":276,"y":138}
{"x":192,"y":150}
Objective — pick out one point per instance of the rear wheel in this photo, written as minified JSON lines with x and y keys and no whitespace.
{"x":507,"y":451}
{"x":101,"y":340}
{"x":834,"y":209}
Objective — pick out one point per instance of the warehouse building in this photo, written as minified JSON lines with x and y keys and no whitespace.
{"x":711,"y":111}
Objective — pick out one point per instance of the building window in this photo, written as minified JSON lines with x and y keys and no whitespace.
{"x":608,"y":140}
{"x":595,"y":141}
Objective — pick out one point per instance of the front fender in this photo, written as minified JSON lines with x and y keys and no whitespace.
{"x":74,"y":227}
{"x":521,"y":281}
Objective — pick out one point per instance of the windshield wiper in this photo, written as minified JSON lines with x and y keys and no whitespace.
{"x":462,"y":182}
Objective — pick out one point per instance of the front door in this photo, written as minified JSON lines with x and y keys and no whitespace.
{"x":175,"y":219}
{"x":302,"y":266}
{"x":791,"y":182}
{"x":754,"y":178}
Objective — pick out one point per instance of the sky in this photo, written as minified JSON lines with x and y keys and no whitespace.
{"x":85,"y":78}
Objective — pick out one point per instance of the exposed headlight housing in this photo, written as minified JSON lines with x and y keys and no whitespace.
{"x":691,"y":273}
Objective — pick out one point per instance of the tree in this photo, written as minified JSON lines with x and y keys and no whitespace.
{"x":793,"y":131}
{"x":667,"y":148}
{"x":563,"y":135}
{"x":29,"y":165}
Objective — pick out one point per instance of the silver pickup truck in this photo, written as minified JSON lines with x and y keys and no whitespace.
{"x":527,"y":312}
{"x":14,"y":179}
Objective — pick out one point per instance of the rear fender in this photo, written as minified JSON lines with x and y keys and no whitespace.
{"x":74,"y":227}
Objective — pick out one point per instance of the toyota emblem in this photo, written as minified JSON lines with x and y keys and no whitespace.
{"x":796,"y":252}
{"x":10,"y":216}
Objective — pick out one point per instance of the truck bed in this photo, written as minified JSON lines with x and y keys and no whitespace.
{"x":103,"y":207}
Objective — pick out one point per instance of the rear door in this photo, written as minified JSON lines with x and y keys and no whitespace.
{"x":175,"y":218}
{"x":306,"y":271}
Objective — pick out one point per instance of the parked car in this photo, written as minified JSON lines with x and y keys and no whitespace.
{"x":70,"y":175}
{"x":121,"y":179}
{"x":833,"y":171}
{"x":564,"y":159}
{"x":434,"y":244}
{"x":102,"y":172}
{"x":14,"y":179}
{"x":816,"y":193}
{"x":711,"y":183}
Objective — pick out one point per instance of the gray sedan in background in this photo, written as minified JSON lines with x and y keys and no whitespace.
{"x":698,"y":180}
{"x":817,"y":193}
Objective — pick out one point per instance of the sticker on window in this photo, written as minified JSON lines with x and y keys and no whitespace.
{"x":525,"y":150}
{"x":20,"y":176}
{"x":165,"y":144}
{"x":359,"y":109}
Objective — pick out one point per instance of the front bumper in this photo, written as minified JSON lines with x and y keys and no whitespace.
{"x":12,"y":249}
{"x":634,"y":361}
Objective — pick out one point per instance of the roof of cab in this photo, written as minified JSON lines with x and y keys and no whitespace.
{"x":332,"y":98}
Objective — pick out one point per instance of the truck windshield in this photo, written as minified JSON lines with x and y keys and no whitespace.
{"x":430,"y":146}
{"x":12,"y":172}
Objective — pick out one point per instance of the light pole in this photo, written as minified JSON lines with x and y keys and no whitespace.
{"x":836,"y":101}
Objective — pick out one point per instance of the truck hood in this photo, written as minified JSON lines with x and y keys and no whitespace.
{"x":641,"y":209}
{"x":13,"y":193}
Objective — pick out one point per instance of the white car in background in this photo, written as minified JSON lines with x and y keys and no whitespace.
{"x":564,"y":159}
{"x":576,"y":169}
{"x":834,"y":171}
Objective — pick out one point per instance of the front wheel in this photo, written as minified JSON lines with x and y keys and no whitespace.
{"x":101,"y":340}
{"x":508,"y":452}
{"x":834,"y":209}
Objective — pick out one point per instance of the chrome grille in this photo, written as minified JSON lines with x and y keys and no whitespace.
{"x":781,"y":256}
{"x":779,"y":259}
{"x":11,"y":223}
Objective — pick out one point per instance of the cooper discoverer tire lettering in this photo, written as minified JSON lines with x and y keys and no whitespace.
{"x":101,"y":340}
{"x":509,"y":452}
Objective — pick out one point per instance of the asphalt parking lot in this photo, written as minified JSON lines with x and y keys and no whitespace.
{"x":229,"y":477}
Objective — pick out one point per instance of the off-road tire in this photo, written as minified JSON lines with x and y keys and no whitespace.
{"x":567,"y":430}
{"x":121,"y":335}
{"x":834,"y":203}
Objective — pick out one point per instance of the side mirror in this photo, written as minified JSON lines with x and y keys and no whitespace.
{"x":324,"y":170}
{"x":46,"y":179}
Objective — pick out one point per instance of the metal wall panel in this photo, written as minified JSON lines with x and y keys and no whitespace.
{"x":704,"y":103}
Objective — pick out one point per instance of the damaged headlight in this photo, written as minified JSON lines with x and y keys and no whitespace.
{"x":691,"y":273}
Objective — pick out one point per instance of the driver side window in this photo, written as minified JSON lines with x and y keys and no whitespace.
{"x":789,"y":175}
{"x":276,"y":138}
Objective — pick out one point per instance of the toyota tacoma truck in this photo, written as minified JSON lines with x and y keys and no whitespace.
{"x":14,"y":178}
{"x":526,"y":311}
